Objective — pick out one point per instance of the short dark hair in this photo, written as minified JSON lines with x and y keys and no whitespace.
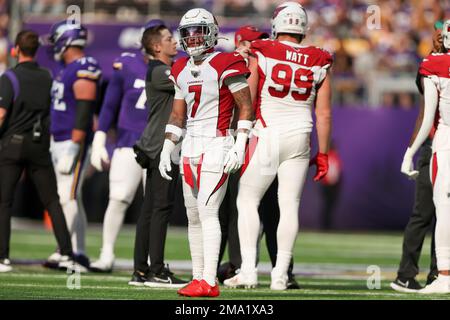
{"x":151,"y":37}
{"x":28,"y":42}
{"x":299,"y":37}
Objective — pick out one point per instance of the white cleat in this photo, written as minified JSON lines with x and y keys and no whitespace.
{"x":278,"y":280}
{"x":247,"y":280}
{"x":5,"y":265}
{"x":104,"y":264}
{"x":53,"y":261}
{"x":440,"y":285}
{"x":55,"y":257}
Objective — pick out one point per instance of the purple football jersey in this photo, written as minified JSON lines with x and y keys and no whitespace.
{"x":126,"y":97}
{"x":63,"y":109}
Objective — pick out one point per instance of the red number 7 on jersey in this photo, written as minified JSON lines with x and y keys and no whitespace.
{"x":197,"y":89}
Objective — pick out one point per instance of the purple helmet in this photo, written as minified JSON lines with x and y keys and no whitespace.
{"x":154,"y":23}
{"x":150,"y":24}
{"x":65,"y":34}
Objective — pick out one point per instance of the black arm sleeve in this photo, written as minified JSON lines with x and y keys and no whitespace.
{"x":159,"y":79}
{"x":6,"y":93}
{"x":85,"y":111}
{"x":419,"y":83}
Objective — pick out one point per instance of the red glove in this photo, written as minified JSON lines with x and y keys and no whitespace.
{"x":321,"y":161}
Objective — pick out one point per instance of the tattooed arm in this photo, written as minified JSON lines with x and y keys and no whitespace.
{"x":242,"y":98}
{"x":177,"y":119}
{"x":241,"y":94}
{"x":243,"y":101}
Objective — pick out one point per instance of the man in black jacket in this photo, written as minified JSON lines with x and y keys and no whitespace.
{"x":25,"y":140}
{"x":152,"y":224}
{"x":424,"y":212}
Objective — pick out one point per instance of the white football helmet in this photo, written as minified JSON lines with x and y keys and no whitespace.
{"x":446,"y":34}
{"x":198,"y":31}
{"x":289,"y":17}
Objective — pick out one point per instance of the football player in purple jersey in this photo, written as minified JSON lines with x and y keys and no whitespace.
{"x":125,"y":97}
{"x":74,"y":94}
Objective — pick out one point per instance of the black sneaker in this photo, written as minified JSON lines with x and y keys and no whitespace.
{"x":83,"y":261}
{"x":138,"y":279}
{"x":292,"y":283}
{"x":53,"y":261}
{"x":406,"y":285}
{"x":431,"y":277}
{"x":165,"y":279}
{"x":226,"y":271}
{"x":5,"y":265}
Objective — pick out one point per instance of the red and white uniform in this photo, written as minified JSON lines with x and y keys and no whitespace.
{"x":289,"y":77}
{"x":210,"y":107}
{"x":436,"y":67}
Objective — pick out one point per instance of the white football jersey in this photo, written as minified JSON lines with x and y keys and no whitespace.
{"x":210,"y":103}
{"x":289,"y":75}
{"x":436,"y":66}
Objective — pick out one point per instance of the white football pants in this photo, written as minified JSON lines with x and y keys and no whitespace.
{"x":204,"y":187}
{"x":125,"y":175}
{"x":283,"y":154}
{"x":69,"y":191}
{"x":440,"y":176}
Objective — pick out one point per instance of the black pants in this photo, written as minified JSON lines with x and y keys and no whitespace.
{"x":420,"y":222}
{"x":151,"y":229}
{"x":269,"y":213}
{"x":35,"y":158}
{"x":330,"y":194}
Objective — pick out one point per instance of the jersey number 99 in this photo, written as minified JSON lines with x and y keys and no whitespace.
{"x":298,"y":83}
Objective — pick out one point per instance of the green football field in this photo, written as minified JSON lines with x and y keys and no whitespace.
{"x":327,"y":265}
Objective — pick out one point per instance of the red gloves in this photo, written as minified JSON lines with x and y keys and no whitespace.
{"x":321,"y":161}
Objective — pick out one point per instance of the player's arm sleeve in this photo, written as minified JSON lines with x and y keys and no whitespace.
{"x":90,"y":72}
{"x":178,"y":93}
{"x":431,"y":100}
{"x":111,"y":103}
{"x":236,"y":68}
{"x":236,"y":83}
{"x":6,"y":93}
{"x":419,"y":83}
{"x":160,"y":79}
{"x":321,"y":71}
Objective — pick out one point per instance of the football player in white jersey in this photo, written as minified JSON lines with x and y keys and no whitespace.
{"x":435,"y":70}
{"x":208,"y":86}
{"x":287,"y":81}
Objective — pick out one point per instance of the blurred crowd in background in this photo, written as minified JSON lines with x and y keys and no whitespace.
{"x":373,"y":67}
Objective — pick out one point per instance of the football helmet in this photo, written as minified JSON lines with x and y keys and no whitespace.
{"x":289,"y":17}
{"x":63,"y":35}
{"x":198,"y":32}
{"x":154,"y":23}
{"x":150,"y":24}
{"x":446,"y":34}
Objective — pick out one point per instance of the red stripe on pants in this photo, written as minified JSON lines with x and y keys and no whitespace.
{"x":199,"y":170}
{"x":249,"y":151}
{"x":435,"y":169}
{"x":188,"y":175}
{"x":220,"y":184}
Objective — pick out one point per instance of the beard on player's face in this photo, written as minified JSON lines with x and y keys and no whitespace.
{"x":195,"y":41}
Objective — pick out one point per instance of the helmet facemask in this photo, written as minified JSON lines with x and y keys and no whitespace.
{"x":446,"y":35}
{"x":65,"y":35}
{"x":196,"y":39}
